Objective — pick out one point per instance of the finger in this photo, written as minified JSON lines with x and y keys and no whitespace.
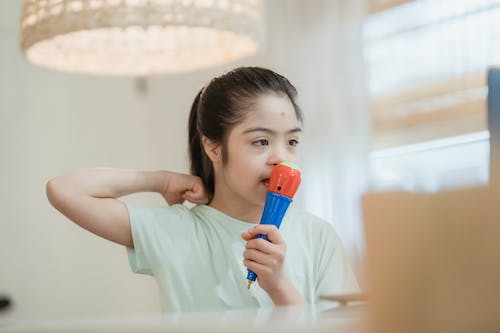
{"x":190,"y":195}
{"x":174,"y":199}
{"x":195,"y":198}
{"x":259,"y":257}
{"x":261,"y":245}
{"x":259,"y":269}
{"x":195,"y":188}
{"x":246,"y":236}
{"x":198,"y":187}
{"x":270,"y":230}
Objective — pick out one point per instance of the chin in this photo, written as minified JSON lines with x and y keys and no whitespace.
{"x":262,"y":201}
{"x":260,"y":196}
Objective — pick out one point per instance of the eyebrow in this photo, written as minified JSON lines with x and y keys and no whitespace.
{"x":270,"y":131}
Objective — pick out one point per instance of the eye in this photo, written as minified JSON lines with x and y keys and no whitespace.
{"x":261,"y":142}
{"x":293,"y":142}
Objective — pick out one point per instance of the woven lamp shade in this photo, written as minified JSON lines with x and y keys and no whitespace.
{"x":139,"y":37}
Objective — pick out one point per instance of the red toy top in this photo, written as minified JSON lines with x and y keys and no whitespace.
{"x":285,"y":179}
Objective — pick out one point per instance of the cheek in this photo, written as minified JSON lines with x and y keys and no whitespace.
{"x":294,"y":157}
{"x":245,"y":161}
{"x":245,"y":168}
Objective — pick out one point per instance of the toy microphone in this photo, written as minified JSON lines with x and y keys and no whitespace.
{"x":283,"y":184}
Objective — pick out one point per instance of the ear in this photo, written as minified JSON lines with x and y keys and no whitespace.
{"x":212,"y":149}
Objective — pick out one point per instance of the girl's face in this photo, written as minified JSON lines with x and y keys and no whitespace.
{"x":268,"y":135}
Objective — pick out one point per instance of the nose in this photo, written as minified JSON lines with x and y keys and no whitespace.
{"x":278,"y":154}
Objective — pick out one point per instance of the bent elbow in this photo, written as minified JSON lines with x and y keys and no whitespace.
{"x":51,"y":192}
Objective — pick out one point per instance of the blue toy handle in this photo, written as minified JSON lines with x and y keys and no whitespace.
{"x":274,"y":210}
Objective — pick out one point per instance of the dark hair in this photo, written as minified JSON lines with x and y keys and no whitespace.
{"x":222,"y":104}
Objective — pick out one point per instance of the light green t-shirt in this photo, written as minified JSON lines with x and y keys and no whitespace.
{"x":196,"y":257}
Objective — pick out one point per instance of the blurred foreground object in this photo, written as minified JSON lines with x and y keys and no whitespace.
{"x":5,"y":303}
{"x":494,"y":124}
{"x":433,"y":261}
{"x":139,"y":37}
{"x":345,"y":299}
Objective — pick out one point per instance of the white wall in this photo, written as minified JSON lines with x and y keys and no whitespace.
{"x":52,"y":123}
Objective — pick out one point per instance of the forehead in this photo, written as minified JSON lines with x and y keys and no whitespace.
{"x":270,"y":110}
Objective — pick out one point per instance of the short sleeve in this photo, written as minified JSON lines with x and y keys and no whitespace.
{"x":335,"y":274}
{"x":156,"y":231}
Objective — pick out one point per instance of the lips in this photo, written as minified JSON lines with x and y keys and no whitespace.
{"x":265,"y":182}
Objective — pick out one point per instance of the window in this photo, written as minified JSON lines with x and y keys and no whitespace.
{"x":427,"y":63}
{"x":458,"y":161}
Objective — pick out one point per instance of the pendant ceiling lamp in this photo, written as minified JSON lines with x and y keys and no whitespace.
{"x":139,"y":37}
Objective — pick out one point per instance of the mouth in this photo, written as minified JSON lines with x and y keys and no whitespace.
{"x":265,"y":182}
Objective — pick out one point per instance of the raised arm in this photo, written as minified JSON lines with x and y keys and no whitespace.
{"x":89,"y":197}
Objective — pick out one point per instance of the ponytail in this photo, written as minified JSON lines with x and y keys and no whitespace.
{"x":201,"y":165}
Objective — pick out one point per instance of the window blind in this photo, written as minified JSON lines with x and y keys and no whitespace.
{"x":427,"y":63}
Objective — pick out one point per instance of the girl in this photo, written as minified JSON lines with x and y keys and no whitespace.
{"x":241,"y":125}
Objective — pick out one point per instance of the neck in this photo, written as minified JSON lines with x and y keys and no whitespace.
{"x":237,"y":209}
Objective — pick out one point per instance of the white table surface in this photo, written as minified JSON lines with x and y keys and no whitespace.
{"x":346,"y":319}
